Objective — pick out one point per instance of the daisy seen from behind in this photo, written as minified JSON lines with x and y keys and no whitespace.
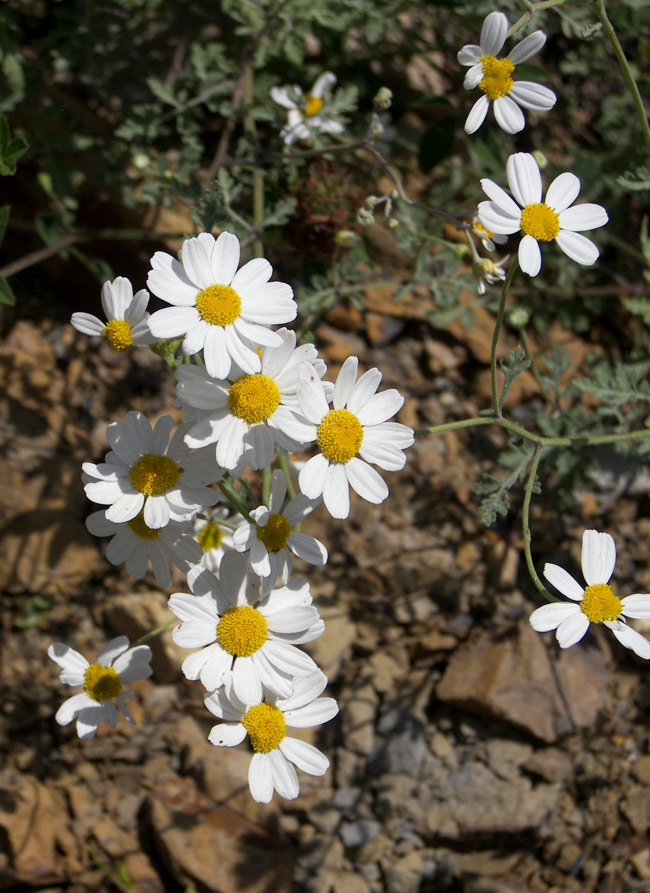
{"x":554,"y":219}
{"x":218,"y":308}
{"x":594,"y":604}
{"x":489,"y":240}
{"x":350,"y":434}
{"x":272,"y":539}
{"x":249,"y":413}
{"x":146,"y":472}
{"x":266,"y":722}
{"x":493,"y":76}
{"x":136,"y":546}
{"x":305,"y":112}
{"x":214,"y":535}
{"x":242,"y":634}
{"x":127,"y":319}
{"x":102,"y":682}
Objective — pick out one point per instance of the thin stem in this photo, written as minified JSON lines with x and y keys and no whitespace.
{"x":258,"y":173}
{"x":232,"y":498}
{"x":496,"y":403}
{"x":154,"y":632}
{"x":525,"y":524}
{"x":283,"y":461}
{"x":627,"y":71}
{"x":266,"y":486}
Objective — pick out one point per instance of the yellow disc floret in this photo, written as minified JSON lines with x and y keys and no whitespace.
{"x":599,"y":603}
{"x":340,"y":435}
{"x":141,"y":530}
{"x":265,"y":726}
{"x":254,"y":398}
{"x":218,"y":305}
{"x":313,"y":105}
{"x":101,"y":683}
{"x":210,"y":536}
{"x":118,"y":334}
{"x":496,"y":77}
{"x":540,"y":222}
{"x":242,"y":631}
{"x":153,"y":474}
{"x":275,"y":533}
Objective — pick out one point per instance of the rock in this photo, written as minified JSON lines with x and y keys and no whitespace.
{"x":641,"y":769}
{"x":411,"y":872}
{"x":401,"y":742}
{"x":32,"y":817}
{"x":143,"y":875}
{"x":515,"y":678}
{"x":358,"y":719}
{"x":636,"y":808}
{"x":357,"y":833}
{"x":136,"y":613}
{"x":335,"y":645}
{"x":551,"y":764}
{"x":473,"y":800}
{"x":213,"y":846}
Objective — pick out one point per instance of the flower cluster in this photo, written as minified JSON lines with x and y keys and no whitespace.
{"x":169,"y":496}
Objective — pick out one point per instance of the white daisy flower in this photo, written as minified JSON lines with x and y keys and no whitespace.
{"x":135,"y":545}
{"x":595,"y":604}
{"x":250,"y":413}
{"x":489,"y":240}
{"x":271,"y":540}
{"x":265,"y":723}
{"x":127,"y":319}
{"x":352,"y":433}
{"x":213,"y":537}
{"x":102,"y":681}
{"x":493,"y":77}
{"x":224,"y":311}
{"x":147,"y":472}
{"x":304,"y":115}
{"x":240,"y":632}
{"x":541,"y":221}
{"x":489,"y":272}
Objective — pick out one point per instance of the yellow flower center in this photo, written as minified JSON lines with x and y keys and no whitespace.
{"x":313,"y":105}
{"x":481,"y":231}
{"x":496,"y":77}
{"x":340,"y":435}
{"x":599,"y":603}
{"x":275,"y":533}
{"x":242,"y":631}
{"x":265,"y":726}
{"x":210,"y":536}
{"x":540,"y":222}
{"x":140,"y":529}
{"x":153,"y":474}
{"x":118,"y":334}
{"x":218,"y":305}
{"x":101,"y":683}
{"x":254,"y":398}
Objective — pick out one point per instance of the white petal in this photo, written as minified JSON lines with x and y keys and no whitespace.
{"x":112,"y":650}
{"x":67,"y":658}
{"x":195,"y":255}
{"x":345,"y":382}
{"x":281,"y":96}
{"x":579,"y":248}
{"x":598,"y":557}
{"x":562,"y":192}
{"x":500,"y":198}
{"x":363,"y":390}
{"x":156,"y":512}
{"x":477,"y":114}
{"x":527,"y":48}
{"x":72,"y":706}
{"x":216,"y":356}
{"x":637,"y":606}
{"x":550,"y":616}
{"x":260,"y":778}
{"x":313,"y":476}
{"x":533,"y":96}
{"x":571,"y":630}
{"x":365,"y":481}
{"x":493,"y":33}
{"x":308,"y":548}
{"x":285,"y":780}
{"x":225,"y":258}
{"x":524,"y":178}
{"x":496,"y":221}
{"x":473,"y":77}
{"x":173,"y":321}
{"x":583,"y":217}
{"x":530,"y":256}
{"x":305,"y":756}
{"x":315,"y":714}
{"x":336,"y":492}
{"x":87,"y":324}
{"x":563,"y":582}
{"x":631,"y":639}
{"x":380,"y":407}
{"x":509,"y":116}
{"x":323,"y":82}
{"x":226,"y":734}
{"x":88,"y":720}
{"x":470,"y":54}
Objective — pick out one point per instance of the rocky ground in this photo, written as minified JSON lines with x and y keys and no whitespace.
{"x":469,"y":753}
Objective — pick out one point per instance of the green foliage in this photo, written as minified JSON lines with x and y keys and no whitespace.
{"x":11,"y":148}
{"x":515,"y":363}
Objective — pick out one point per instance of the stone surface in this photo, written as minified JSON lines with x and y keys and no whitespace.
{"x":517,"y":679}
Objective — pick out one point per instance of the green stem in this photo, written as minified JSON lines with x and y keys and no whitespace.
{"x":232,"y":498}
{"x":283,"y":461}
{"x":266,"y":486}
{"x":496,"y":403}
{"x":154,"y":632}
{"x":525,"y":523}
{"x":513,"y":428}
{"x":258,"y":173}
{"x":533,"y":365}
{"x":627,"y":71}
{"x":532,"y":9}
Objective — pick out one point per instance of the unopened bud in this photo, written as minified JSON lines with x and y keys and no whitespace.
{"x":519,"y":317}
{"x":365,"y":217}
{"x":383,"y":98}
{"x":540,"y":158}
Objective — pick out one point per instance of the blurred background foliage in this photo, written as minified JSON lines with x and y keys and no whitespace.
{"x":147,"y":119}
